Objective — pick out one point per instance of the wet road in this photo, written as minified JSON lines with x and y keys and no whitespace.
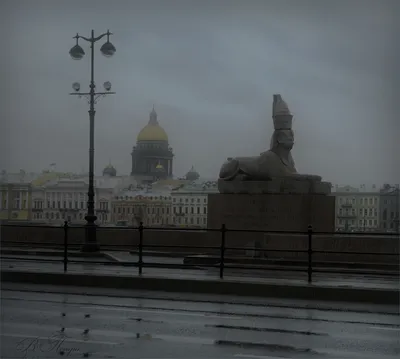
{"x":284,"y":277}
{"x":79,"y":322}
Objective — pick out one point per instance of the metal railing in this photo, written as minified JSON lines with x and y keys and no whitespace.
{"x":309,"y":265}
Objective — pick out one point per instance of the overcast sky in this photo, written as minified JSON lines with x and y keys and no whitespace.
{"x":210,"y":68}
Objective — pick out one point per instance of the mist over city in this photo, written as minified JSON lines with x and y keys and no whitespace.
{"x":210,"y":69}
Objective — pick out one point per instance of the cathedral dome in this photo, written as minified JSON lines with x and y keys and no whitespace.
{"x":192,"y":175}
{"x":152,"y":131}
{"x":110,"y":170}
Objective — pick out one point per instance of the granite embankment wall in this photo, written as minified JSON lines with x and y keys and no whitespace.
{"x":367,"y":245}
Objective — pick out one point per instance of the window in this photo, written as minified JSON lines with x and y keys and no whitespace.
{"x":58,"y":204}
{"x":198,"y":210}
{"x":360,"y":222}
{"x":119,"y":210}
{"x":180,"y":210}
{"x":370,"y":201}
{"x":198,"y":200}
{"x":375,"y":222}
{"x":361,"y":211}
{"x":58,"y":215}
{"x":52,"y":215}
{"x":204,"y":220}
{"x":82,"y":205}
{"x":186,"y":210}
{"x":192,"y":210}
{"x":361,"y":201}
{"x":76,"y":204}
{"x":340,"y":200}
{"x":192,"y":200}
{"x":205,"y":210}
{"x":205,"y":200}
{"x":191,"y":220}
{"x":48,"y":204}
{"x":65,"y":204}
{"x":371,"y":212}
{"x":167,"y":210}
{"x":47,"y":215}
{"x":54,"y":204}
{"x":365,"y":212}
{"x":340,"y":211}
{"x":70,"y":204}
{"x":186,"y":200}
{"x":370,"y":222}
{"x":353,"y":212}
{"x":384,"y":215}
{"x":24,"y":204}
{"x":174,"y":200}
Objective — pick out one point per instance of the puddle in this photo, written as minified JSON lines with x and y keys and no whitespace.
{"x":270,"y":330}
{"x":270,"y":347}
{"x":176,"y":339}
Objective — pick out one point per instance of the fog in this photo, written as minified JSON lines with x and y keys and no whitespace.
{"x":210,"y":68}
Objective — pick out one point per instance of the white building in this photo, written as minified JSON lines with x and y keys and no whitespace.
{"x":147,"y":205}
{"x":60,"y":199}
{"x":357,"y":208}
{"x":189,"y":203}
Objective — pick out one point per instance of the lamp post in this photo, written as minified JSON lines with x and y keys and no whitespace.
{"x":77,"y":53}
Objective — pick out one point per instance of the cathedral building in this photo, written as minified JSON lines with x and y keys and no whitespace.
{"x":152,"y":156}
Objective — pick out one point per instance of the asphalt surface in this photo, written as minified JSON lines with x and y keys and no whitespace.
{"x":289,"y":278}
{"x":51,"y":322}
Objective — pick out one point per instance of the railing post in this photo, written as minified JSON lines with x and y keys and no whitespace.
{"x":140,"y":248}
{"x":222,"y":259}
{"x":65,"y":246}
{"x":310,"y":232}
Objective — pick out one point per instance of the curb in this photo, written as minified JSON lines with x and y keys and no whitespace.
{"x":222,"y":287}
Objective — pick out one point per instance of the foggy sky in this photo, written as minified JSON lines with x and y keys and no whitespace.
{"x":210,"y":68}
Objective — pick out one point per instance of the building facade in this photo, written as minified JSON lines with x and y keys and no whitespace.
{"x":15,"y":196}
{"x":152,"y":208}
{"x":357,"y":209}
{"x":389,"y":212}
{"x":190,"y":203}
{"x":65,"y":199}
{"x":152,"y":157}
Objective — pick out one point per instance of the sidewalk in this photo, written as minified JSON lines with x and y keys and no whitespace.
{"x":325,"y":287}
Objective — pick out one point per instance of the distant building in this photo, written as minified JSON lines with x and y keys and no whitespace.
{"x":192,"y":175}
{"x":357,"y":208}
{"x":390,"y":208}
{"x":15,"y":196}
{"x":65,"y":198}
{"x":135,"y":205}
{"x":152,"y":157}
{"x":189,"y":203}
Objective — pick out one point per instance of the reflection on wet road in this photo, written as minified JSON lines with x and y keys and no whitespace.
{"x":69,"y":324}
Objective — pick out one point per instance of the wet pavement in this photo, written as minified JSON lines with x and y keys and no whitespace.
{"x":259,"y":276}
{"x":53,"y":322}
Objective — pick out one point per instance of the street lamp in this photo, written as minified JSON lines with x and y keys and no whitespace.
{"x":78,"y":53}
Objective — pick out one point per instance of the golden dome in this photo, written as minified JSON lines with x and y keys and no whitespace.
{"x":152,"y":131}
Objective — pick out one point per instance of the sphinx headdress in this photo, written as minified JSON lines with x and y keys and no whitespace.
{"x":281,"y":114}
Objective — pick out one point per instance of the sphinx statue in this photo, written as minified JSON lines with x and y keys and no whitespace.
{"x":276,"y":164}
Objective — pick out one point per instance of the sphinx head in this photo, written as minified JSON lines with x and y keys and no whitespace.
{"x":283,"y":139}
